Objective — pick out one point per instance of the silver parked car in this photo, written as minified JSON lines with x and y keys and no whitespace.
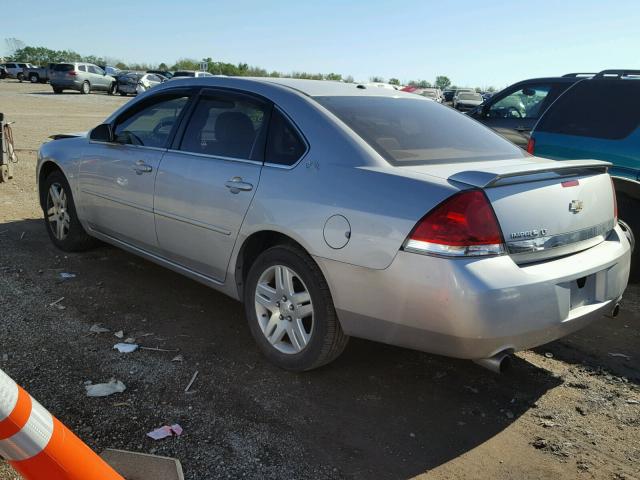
{"x":82,"y":77}
{"x":333,"y":210}
{"x":464,"y":101}
{"x":16,"y":69}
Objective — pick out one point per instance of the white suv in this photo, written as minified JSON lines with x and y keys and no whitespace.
{"x":15,"y":70}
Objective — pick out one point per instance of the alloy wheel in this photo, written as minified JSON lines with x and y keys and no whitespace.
{"x":57,"y":212}
{"x":284,"y":309}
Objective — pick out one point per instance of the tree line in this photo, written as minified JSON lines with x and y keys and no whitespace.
{"x":43,"y":56}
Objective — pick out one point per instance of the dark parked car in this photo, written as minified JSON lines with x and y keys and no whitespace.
{"x":514,"y":111}
{"x":448,"y":95}
{"x":599,"y":118}
{"x":165,"y":73}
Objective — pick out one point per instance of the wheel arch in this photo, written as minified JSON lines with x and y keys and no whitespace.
{"x":46,"y":169}
{"x":252,"y":246}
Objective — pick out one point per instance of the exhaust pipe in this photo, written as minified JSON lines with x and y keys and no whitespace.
{"x":499,"y":363}
{"x":614,"y":311}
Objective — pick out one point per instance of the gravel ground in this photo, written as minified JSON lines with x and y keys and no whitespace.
{"x":567,"y":410}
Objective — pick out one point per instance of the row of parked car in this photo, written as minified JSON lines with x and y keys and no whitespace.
{"x":576,"y":116}
{"x":87,"y":77}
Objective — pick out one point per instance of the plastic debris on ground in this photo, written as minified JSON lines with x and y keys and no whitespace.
{"x":165,"y":431}
{"x":619,"y":355}
{"x":105,"y":389}
{"x":126,"y":347}
{"x":96,"y":328}
{"x":119,"y":334}
{"x":66,"y":276}
{"x":193,"y":379}
{"x":177,"y":358}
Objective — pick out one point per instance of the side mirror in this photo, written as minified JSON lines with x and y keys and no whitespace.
{"x":102,"y":133}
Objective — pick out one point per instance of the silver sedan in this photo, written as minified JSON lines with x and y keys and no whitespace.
{"x":334,"y":210}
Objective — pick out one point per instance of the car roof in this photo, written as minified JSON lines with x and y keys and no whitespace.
{"x":311,"y":88}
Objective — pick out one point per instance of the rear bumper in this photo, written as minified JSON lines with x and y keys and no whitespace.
{"x":66,"y":84}
{"x":475,"y":308}
{"x":127,"y":88}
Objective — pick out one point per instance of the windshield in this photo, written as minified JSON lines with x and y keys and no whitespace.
{"x":409,"y":131}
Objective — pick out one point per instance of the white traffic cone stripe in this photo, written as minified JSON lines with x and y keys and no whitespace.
{"x":8,"y":395}
{"x":32,"y":439}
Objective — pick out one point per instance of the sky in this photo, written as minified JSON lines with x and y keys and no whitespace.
{"x":475,"y":43}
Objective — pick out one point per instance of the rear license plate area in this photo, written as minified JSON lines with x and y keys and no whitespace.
{"x":582,"y":291}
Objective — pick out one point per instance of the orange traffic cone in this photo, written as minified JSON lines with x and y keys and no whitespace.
{"x":38,"y":445}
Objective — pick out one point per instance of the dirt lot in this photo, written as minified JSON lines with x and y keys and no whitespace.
{"x":567,"y":410}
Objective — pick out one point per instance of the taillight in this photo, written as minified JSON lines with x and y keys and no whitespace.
{"x":72,"y":73}
{"x":463,"y":225}
{"x":531,"y":145}
{"x":615,"y":203}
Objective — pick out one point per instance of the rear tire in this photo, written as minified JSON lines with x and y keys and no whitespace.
{"x":57,"y":90}
{"x":629,"y":212}
{"x":60,"y":218}
{"x":300,"y":305}
{"x":33,"y":78}
{"x":124,"y":94}
{"x":85,"y":88}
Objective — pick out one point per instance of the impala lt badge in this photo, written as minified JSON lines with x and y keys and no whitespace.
{"x":576,"y":206}
{"x":529,"y":234}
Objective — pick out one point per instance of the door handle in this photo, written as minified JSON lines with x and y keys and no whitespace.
{"x":236,"y":185}
{"x":140,"y":167}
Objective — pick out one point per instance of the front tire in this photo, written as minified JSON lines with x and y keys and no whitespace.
{"x":290,"y":310}
{"x":57,"y":90}
{"x":85,"y":88}
{"x":20,"y":77}
{"x":33,"y":78}
{"x":60,"y":218}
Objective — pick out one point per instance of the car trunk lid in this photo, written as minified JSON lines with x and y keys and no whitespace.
{"x":545,"y":209}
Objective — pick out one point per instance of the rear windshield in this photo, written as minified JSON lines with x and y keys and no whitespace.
{"x":608,"y":109}
{"x":407,"y":131}
{"x":184,"y":74}
{"x":63,"y":67}
{"x":470,"y":96}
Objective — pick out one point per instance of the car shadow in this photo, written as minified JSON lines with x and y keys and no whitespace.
{"x":376,"y":412}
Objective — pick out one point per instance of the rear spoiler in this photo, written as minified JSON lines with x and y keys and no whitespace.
{"x":530,"y":173}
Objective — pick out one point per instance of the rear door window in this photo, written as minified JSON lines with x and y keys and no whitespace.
{"x":227,"y":125}
{"x":284,"y":144}
{"x":607,"y":109}
{"x":82,"y":68}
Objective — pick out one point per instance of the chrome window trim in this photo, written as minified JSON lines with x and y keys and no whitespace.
{"x":216,"y":157}
{"x":128,"y":145}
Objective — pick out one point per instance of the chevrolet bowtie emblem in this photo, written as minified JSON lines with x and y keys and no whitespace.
{"x":576,"y":206}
